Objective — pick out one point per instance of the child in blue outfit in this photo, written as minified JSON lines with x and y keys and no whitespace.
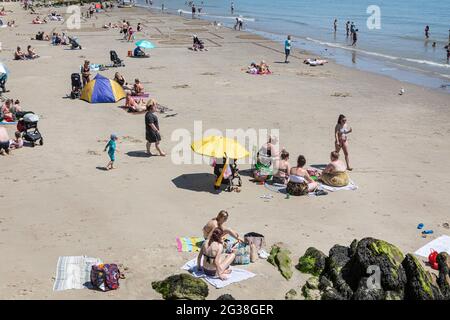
{"x":111,"y":146}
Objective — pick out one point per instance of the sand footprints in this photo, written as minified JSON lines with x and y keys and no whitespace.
{"x":181,"y":86}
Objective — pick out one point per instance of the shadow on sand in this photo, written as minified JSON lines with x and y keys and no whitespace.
{"x":199,"y":182}
{"x":138,"y":154}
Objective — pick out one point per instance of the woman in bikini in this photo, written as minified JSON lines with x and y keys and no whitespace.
{"x":86,"y":72}
{"x":218,"y":222}
{"x":134,"y":105}
{"x":215,"y":263}
{"x":283,"y":168}
{"x":138,"y":88}
{"x":300,"y":183}
{"x":340,"y":133}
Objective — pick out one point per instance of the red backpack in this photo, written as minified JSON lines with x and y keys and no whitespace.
{"x":105,"y":277}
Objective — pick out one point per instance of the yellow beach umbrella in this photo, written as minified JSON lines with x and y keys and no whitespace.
{"x":219,"y":147}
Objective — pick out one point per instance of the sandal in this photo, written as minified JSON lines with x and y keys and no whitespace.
{"x":320,"y":193}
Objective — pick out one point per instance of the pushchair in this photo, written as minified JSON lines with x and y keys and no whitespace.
{"x":233,"y":181}
{"x":76,"y":86}
{"x":74,"y":43}
{"x":117,"y":62}
{"x":28,"y":127}
{"x":3,"y":78}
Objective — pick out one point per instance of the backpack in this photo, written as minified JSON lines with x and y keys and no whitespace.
{"x":256,"y":239}
{"x":105,"y":277}
{"x":242,"y":254}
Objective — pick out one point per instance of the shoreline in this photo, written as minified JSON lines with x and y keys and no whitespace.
{"x":56,"y":202}
{"x":353,"y":58}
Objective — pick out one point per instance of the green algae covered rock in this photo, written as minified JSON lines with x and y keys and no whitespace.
{"x":420,"y":284}
{"x":443,"y":280}
{"x":311,"y":294}
{"x":291,"y":295}
{"x":387,"y":257}
{"x":181,"y":286}
{"x":312,"y":262}
{"x":279,"y":257}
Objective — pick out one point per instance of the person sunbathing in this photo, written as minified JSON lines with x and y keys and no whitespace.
{"x":335,"y":173}
{"x":300,"y":183}
{"x":134,"y":105}
{"x":19,"y":54}
{"x":38,"y":20}
{"x":263,"y":68}
{"x":252,"y":68}
{"x":31,"y":53}
{"x":265,"y":157}
{"x":211,"y":258}
{"x":120,"y":80}
{"x":7,"y":113}
{"x":138,"y":88}
{"x":283,"y":169}
{"x":218,"y":222}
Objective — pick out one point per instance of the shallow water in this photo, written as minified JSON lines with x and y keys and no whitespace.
{"x":398,"y":49}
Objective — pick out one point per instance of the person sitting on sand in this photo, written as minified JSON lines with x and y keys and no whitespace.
{"x":7,"y":113}
{"x":120,"y":80}
{"x":38,"y":20}
{"x":265,"y":157}
{"x":335,"y":174}
{"x":42,"y":36}
{"x":17,"y":142}
{"x":215,"y":263}
{"x":252,"y":68}
{"x":138,"y":52}
{"x":4,"y":141}
{"x":197,"y":45}
{"x":218,"y":222}
{"x":283,"y":168}
{"x":263,"y":68}
{"x":134,"y":105}
{"x":19,"y":54}
{"x":138,"y":88}
{"x":300,"y":183}
{"x":139,"y":27}
{"x":31,"y":54}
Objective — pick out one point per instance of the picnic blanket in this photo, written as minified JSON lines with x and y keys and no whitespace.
{"x":74,"y":272}
{"x":441,"y":244}
{"x":236,"y":275}
{"x":189,"y":244}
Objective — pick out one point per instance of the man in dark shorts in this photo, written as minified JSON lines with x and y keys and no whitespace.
{"x":152,"y":128}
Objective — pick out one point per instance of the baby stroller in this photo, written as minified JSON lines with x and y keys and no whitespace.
{"x":76,"y":86}
{"x":234,"y":179}
{"x":28,"y":127}
{"x":117,"y":62}
{"x":74,"y":43}
{"x":3,"y":78}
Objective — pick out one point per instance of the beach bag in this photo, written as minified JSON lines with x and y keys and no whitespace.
{"x":432,"y":259}
{"x":297,"y":189}
{"x":256,"y":239}
{"x":242,"y":254}
{"x":105,"y":277}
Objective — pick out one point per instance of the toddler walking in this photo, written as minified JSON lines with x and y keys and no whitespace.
{"x":111,"y":146}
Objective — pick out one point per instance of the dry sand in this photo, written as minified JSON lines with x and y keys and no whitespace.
{"x":55,"y":201}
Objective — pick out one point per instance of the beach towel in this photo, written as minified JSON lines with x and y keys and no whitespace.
{"x":351,"y":186}
{"x":6,"y":122}
{"x":144,"y":95}
{"x":441,"y":244}
{"x":74,"y":272}
{"x":189,"y":244}
{"x":236,"y":275}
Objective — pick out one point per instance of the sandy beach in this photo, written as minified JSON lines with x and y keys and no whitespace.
{"x":57,"y":202}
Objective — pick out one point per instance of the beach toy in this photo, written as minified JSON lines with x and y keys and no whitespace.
{"x":130,"y":53}
{"x":432,"y":259}
{"x":427,"y":232}
{"x":420,"y":226}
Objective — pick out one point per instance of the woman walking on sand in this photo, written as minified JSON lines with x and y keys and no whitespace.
{"x":340,"y":133}
{"x":152,"y":128}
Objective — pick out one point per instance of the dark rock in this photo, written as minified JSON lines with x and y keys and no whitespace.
{"x":443,"y":280}
{"x":331,"y":294}
{"x":419,"y":285}
{"x":394,"y":295}
{"x":353,"y":247}
{"x":372,"y":252}
{"x":312,"y":262}
{"x":338,"y":268}
{"x":279,"y":257}
{"x":367,"y":291}
{"x":181,"y":286}
{"x":324,"y":283}
{"x":226,"y":297}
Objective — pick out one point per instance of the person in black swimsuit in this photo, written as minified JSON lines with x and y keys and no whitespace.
{"x":86,"y":72}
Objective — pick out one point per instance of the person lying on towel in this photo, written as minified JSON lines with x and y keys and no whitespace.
{"x":335,"y":173}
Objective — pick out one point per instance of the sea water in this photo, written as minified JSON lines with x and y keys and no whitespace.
{"x":392,"y":42}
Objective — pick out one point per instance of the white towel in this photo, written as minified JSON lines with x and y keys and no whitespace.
{"x":74,"y":272}
{"x":351,"y":186}
{"x":236,"y":275}
{"x":441,"y":244}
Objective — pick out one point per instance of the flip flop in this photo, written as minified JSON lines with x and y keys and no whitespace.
{"x":320,"y":193}
{"x":420,"y":226}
